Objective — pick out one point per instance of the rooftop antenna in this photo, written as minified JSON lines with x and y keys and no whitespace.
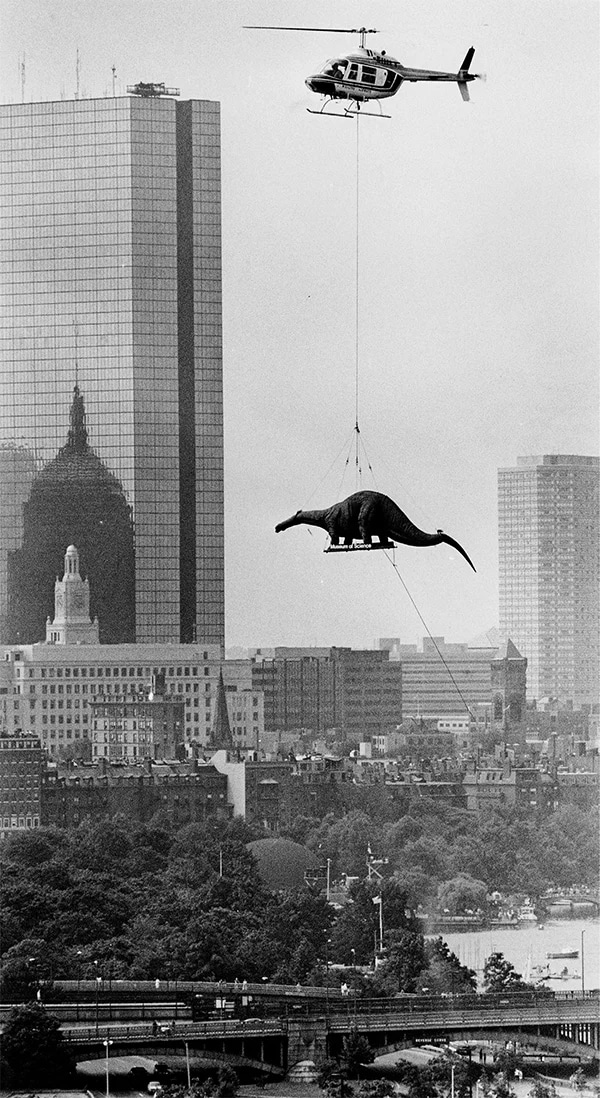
{"x":77,"y":73}
{"x":22,"y":76}
{"x":114,"y":80}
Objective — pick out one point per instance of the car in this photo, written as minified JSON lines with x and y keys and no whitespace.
{"x":154,"y":1087}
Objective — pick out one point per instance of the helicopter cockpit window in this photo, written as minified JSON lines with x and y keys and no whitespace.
{"x":335,"y":69}
{"x":391,"y":80}
{"x":352,"y":73}
{"x":369,"y":75}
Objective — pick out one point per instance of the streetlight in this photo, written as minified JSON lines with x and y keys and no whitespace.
{"x":107,"y":1045}
{"x":327,"y":944}
{"x":582,"y":963}
{"x":98,"y":982}
{"x":452,"y":1069}
{"x":353,"y":952}
{"x":78,"y":956}
{"x":187,"y":1065}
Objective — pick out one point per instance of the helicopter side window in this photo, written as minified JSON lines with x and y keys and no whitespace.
{"x":352,"y":73}
{"x":391,"y":80}
{"x":369,"y":75}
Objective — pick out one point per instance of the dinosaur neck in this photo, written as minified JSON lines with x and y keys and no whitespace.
{"x":313,"y":518}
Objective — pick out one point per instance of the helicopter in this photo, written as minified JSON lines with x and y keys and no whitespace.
{"x":369,"y":75}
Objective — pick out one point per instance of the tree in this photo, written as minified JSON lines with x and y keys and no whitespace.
{"x":376,"y":1088}
{"x":357,"y":1051}
{"x":438,"y":1076}
{"x":33,"y":1048}
{"x":405,"y":959}
{"x":462,"y":894}
{"x":540,"y":1089}
{"x":17,"y":982}
{"x":578,"y":1080}
{"x":444,"y":972}
{"x":496,"y":1086}
{"x":500,"y":975}
{"x":508,"y":1062}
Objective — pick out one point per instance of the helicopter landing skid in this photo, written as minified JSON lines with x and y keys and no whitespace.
{"x":350,"y":114}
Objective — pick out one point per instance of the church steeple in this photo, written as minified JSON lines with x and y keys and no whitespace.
{"x":221,"y":737}
{"x":77,"y":438}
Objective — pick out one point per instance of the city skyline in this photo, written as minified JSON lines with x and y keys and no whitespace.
{"x":112,"y":255}
{"x":478,"y":276}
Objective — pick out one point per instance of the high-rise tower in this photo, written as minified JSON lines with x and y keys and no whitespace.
{"x":550,"y":574}
{"x":111,"y":253}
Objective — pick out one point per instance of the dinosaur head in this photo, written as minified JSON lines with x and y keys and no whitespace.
{"x":293,"y":521}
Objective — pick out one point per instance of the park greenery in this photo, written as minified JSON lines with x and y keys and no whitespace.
{"x":117,"y":900}
{"x":33,"y":1049}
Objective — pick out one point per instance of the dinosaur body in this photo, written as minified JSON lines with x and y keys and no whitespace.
{"x":365,"y":515}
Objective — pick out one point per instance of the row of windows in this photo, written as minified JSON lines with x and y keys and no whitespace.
{"x":125,"y":672}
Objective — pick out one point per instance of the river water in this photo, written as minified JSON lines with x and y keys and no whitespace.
{"x":527,"y":944}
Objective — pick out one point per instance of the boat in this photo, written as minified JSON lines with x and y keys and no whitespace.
{"x":564,"y":975}
{"x":526,"y":914}
{"x":563,"y":954}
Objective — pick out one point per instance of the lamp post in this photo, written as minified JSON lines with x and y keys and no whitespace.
{"x":98,"y":982}
{"x":107,"y":1045}
{"x":78,"y":956}
{"x":353,"y":952}
{"x":327,"y":944}
{"x":452,"y":1068}
{"x":187,"y":1065}
{"x":582,"y":963}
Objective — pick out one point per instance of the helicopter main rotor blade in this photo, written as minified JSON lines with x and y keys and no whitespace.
{"x":323,"y":30}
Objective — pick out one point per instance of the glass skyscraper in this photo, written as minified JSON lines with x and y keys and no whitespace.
{"x":111,"y":281}
{"x":550,"y":574}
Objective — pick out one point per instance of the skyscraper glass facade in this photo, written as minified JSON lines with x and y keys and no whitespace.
{"x":111,"y":257}
{"x":549,"y":572}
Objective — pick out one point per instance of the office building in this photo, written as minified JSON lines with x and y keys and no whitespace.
{"x":549,"y":573}
{"x":111,"y":285}
{"x":444,"y":680}
{"x":356,"y":691}
{"x":149,"y":726}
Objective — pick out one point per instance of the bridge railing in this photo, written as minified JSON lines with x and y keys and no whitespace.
{"x":185,"y":1031}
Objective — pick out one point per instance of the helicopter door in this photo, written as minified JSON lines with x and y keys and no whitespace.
{"x":369,"y":75}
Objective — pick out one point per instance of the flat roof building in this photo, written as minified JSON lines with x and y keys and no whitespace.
{"x":22,"y":763}
{"x":548,"y":511}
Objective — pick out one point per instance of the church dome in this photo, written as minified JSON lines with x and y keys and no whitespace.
{"x":75,"y":500}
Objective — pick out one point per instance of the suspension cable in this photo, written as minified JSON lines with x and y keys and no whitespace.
{"x":357,"y":313}
{"x":429,"y":634}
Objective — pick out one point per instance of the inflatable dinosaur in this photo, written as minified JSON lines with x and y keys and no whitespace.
{"x":365,"y":515}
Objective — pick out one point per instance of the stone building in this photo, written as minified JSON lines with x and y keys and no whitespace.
{"x":22,"y":763}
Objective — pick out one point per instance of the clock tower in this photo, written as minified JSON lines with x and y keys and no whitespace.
{"x":72,"y":624}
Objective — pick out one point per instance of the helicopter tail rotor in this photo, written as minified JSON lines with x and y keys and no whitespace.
{"x":463,"y":76}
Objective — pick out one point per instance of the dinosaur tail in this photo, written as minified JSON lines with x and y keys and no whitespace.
{"x":411,"y":535}
{"x":450,"y":541}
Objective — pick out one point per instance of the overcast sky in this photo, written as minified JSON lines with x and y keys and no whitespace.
{"x":478,"y":287}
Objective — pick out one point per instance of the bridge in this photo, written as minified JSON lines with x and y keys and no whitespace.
{"x":569,"y":1023}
